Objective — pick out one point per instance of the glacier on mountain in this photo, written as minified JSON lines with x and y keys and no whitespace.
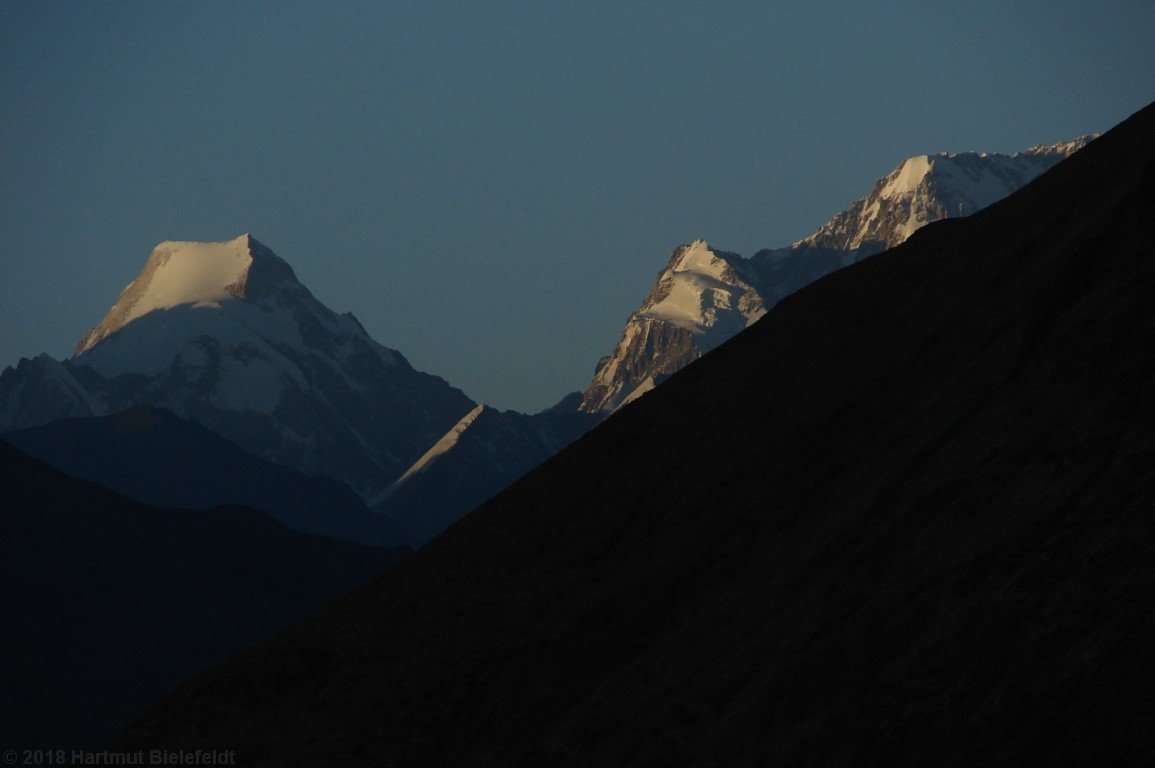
{"x":704,"y":296}
{"x":225,"y":334}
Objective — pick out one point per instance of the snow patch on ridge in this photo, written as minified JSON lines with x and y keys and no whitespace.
{"x":908,"y":176}
{"x":715,"y":296}
{"x":698,"y":290}
{"x":176,"y":274}
{"x":647,"y":385}
{"x":201,"y":274}
{"x":430,"y":457}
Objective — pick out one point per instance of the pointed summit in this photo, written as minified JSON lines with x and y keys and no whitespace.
{"x":926,"y":188}
{"x":196,"y":274}
{"x":704,"y":297}
{"x":225,"y":335}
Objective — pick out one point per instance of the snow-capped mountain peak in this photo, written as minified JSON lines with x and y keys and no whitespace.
{"x":237,"y":293}
{"x":905,"y":179}
{"x":704,"y":297}
{"x":224,"y":334}
{"x":701,"y":287}
{"x":198,"y":275}
{"x":701,"y":298}
{"x":925,"y":188}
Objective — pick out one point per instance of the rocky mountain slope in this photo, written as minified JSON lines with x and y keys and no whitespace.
{"x":224,"y":334}
{"x":699,"y":300}
{"x":157,"y":458}
{"x":485,"y":452}
{"x":704,"y":297}
{"x":108,"y":604}
{"x":905,"y":519}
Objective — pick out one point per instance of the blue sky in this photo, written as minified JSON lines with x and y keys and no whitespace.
{"x":492,"y":187}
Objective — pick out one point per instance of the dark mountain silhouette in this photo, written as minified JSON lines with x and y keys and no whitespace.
{"x":905,"y":519}
{"x":155,"y":457}
{"x":108,"y":604}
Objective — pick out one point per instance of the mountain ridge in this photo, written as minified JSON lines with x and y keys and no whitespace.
{"x":921,"y":189}
{"x":224,"y":334}
{"x":913,"y":531}
{"x":482,"y":454}
{"x":157,"y":458}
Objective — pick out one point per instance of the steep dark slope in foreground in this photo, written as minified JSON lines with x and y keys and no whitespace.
{"x":106,"y":605}
{"x":904,"y":519}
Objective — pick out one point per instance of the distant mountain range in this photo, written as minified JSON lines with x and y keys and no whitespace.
{"x":224,"y":335}
{"x":904,"y":519}
{"x":703,"y":296}
{"x":154,"y":457}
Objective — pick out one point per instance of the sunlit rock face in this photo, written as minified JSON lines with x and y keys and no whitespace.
{"x":699,"y":300}
{"x":482,"y":454}
{"x":225,"y":334}
{"x":705,"y":296}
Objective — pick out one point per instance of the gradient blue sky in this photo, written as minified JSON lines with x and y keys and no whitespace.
{"x":491,"y":188}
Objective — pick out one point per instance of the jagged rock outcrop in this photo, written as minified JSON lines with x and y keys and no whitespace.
{"x":701,"y":298}
{"x":922,"y":189}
